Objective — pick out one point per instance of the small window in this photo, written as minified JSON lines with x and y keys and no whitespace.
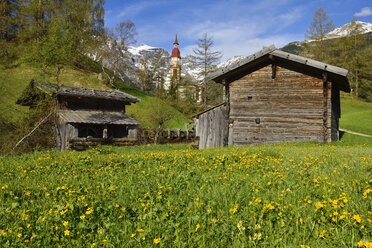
{"x":117,"y":131}
{"x":94,"y":131}
{"x":250,"y":98}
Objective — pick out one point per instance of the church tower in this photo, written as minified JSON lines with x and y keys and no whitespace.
{"x":175,"y":64}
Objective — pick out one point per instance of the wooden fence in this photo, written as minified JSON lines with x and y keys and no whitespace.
{"x":144,"y":136}
{"x":148,"y":136}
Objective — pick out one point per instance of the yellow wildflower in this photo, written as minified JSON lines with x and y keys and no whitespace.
{"x":197,"y":227}
{"x":65,"y":223}
{"x":319,"y":205}
{"x":357,"y":218}
{"x":360,"y":243}
{"x":67,"y":232}
{"x":157,"y":241}
{"x":133,"y":234}
{"x":19,"y":235}
{"x":82,"y":217}
{"x":140,"y":230}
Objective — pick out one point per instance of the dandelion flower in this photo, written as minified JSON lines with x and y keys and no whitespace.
{"x":157,"y":241}
{"x":357,"y":218}
{"x":197,"y":227}
{"x":319,"y":205}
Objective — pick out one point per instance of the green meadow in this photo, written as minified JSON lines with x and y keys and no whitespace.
{"x":282,"y":195}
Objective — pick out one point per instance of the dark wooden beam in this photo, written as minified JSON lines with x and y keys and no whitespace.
{"x":227,"y":101}
{"x":273,"y":69}
{"x":273,"y":66}
{"x":325,"y":106}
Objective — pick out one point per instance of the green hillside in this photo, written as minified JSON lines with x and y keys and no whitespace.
{"x":356,"y":115}
{"x":13,"y":81}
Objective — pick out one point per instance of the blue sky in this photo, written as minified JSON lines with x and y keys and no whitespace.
{"x":238,"y":27}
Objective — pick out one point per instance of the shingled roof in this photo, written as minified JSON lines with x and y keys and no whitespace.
{"x":335,"y":74}
{"x":96,"y":117}
{"x":93,"y":93}
{"x":26,"y":98}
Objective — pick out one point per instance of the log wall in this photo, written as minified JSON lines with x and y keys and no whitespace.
{"x":291,"y":107}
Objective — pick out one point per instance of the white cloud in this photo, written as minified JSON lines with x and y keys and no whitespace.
{"x":246,"y":34}
{"x":366,"y":11}
{"x":238,"y":27}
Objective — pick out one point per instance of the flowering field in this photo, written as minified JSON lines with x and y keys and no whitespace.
{"x":292,"y":195}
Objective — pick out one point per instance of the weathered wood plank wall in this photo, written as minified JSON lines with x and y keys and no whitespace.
{"x":290,"y":107}
{"x":336,"y":113}
{"x":212,"y":127}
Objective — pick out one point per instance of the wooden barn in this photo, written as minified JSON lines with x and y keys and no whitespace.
{"x":86,"y":117}
{"x":274,"y":96}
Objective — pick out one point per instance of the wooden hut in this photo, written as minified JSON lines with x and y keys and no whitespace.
{"x":274,"y":96}
{"x":87,"y":117}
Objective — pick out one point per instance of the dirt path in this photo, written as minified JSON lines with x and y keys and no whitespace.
{"x":355,"y":133}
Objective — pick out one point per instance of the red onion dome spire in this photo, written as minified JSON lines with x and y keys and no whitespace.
{"x":176,"y":51}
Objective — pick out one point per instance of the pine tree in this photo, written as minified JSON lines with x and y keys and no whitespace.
{"x":351,"y":52}
{"x":10,"y":22}
{"x":319,"y":46}
{"x":205,"y":58}
{"x":353,"y":55}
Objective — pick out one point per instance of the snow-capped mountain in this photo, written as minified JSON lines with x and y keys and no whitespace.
{"x":344,"y":30}
{"x":147,"y":52}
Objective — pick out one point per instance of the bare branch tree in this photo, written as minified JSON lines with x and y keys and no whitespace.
{"x":319,"y":28}
{"x":205,"y":58}
{"x":126,"y":33}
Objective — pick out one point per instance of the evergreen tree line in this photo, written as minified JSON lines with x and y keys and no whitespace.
{"x":351,"y":52}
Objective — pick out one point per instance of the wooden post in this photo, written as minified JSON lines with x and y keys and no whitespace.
{"x":227,"y":102}
{"x":325,"y":107}
{"x":273,"y":66}
{"x":104,"y":135}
